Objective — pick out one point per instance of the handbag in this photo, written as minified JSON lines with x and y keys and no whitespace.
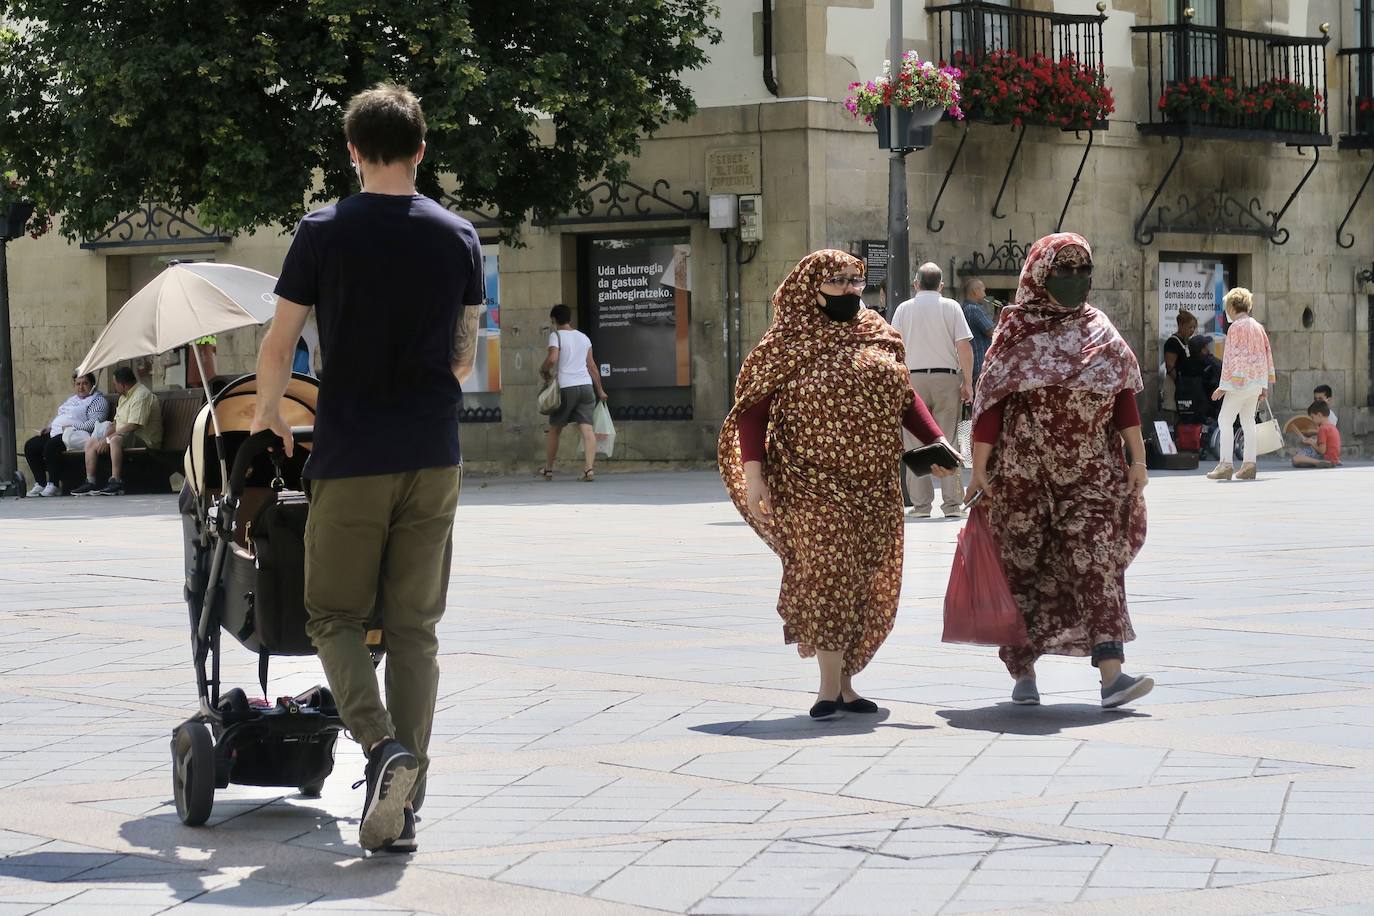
{"x":979,"y":606}
{"x":1268,"y":436}
{"x":550,"y":396}
{"x":963,"y":435}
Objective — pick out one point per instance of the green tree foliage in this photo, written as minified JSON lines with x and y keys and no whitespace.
{"x":234,"y":108}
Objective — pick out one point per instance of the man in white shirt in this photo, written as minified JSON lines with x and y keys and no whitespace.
{"x":939,"y":354}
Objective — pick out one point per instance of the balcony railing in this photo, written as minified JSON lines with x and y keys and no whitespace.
{"x":1212,"y":81}
{"x":975,"y":35}
{"x":1358,"y":64}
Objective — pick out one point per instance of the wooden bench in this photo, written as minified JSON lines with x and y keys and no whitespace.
{"x":145,"y":470}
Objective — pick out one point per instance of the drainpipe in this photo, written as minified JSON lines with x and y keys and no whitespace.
{"x":769,"y":78}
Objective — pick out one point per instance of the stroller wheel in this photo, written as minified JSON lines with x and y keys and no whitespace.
{"x":312,"y":789}
{"x":193,"y":772}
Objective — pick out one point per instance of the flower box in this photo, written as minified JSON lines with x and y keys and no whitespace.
{"x":1364,"y":114}
{"x":922,"y":94}
{"x":915,"y":127}
{"x":1005,"y":87}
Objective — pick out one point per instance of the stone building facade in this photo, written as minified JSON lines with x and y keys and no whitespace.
{"x":821,"y":181}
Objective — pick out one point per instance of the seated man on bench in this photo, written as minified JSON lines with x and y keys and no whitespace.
{"x":137,"y":424}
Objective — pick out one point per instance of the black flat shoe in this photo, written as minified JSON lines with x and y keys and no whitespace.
{"x":825,"y":709}
{"x":860,"y":705}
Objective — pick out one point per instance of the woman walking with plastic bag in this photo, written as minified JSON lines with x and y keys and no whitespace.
{"x":1247,"y":370}
{"x":809,"y":454}
{"x":579,"y":387}
{"x":1055,"y":401}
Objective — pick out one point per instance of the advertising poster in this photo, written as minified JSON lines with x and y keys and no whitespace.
{"x":486,"y":372}
{"x":1198,"y":287}
{"x":641,"y":294}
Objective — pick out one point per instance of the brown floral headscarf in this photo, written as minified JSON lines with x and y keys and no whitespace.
{"x":799,"y":335}
{"x":1040,"y":344}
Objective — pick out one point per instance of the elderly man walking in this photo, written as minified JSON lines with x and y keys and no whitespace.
{"x":940,"y":357}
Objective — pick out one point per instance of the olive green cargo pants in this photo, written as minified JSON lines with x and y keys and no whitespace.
{"x":383,"y":541}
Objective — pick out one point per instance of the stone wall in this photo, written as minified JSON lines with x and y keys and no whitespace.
{"x":824,"y":184}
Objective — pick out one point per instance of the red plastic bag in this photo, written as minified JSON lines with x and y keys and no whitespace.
{"x":979,"y":607}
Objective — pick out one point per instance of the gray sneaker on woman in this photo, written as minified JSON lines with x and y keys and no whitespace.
{"x":1125,"y":689}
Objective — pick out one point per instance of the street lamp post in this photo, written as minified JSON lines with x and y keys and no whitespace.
{"x":12,"y":221}
{"x":898,"y":232}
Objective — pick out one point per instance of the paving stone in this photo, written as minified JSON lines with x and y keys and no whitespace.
{"x":649,"y":698}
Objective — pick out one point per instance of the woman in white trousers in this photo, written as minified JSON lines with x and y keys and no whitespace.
{"x":1247,"y":370}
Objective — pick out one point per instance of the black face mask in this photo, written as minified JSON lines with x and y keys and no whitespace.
{"x":843,"y":307}
{"x":1071,"y":291}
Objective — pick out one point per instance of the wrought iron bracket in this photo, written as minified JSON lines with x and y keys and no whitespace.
{"x":153,"y":224}
{"x":1144,"y":236}
{"x":1280,"y":236}
{"x":930,"y":220}
{"x":1076,"y":177}
{"x":625,"y":200}
{"x":1217,"y":213}
{"x":1340,"y":230}
{"x":1003,"y":259}
{"x":480,"y":219}
{"x":1015,"y":154}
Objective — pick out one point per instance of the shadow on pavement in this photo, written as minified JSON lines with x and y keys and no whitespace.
{"x":211,"y":864}
{"x":1010,"y":719}
{"x":802,"y":727}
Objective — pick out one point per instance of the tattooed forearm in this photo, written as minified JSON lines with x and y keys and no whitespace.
{"x":465,"y":340}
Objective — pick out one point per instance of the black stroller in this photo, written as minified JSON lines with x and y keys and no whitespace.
{"x":245,"y":574}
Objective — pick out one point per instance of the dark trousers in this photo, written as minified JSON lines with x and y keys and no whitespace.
{"x":43,"y":453}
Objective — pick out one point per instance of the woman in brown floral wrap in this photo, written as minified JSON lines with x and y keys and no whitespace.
{"x":810,"y":455}
{"x":1055,"y":402}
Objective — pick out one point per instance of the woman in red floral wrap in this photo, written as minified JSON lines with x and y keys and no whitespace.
{"x":1055,"y":402}
{"x":810,"y":456}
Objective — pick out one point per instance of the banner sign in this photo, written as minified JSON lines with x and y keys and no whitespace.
{"x":486,"y":372}
{"x":641,"y":292}
{"x":1197,"y":287}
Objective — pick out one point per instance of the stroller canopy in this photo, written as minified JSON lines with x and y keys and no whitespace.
{"x":234,"y":408}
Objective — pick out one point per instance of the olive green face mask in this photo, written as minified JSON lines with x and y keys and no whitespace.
{"x":1070,"y":292}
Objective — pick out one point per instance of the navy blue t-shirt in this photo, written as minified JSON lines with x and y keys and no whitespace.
{"x":389,"y":277}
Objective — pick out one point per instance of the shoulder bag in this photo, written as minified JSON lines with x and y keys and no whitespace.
{"x":550,"y":397}
{"x":1268,"y":436}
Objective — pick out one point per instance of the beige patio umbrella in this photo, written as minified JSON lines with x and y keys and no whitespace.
{"x":184,"y":302}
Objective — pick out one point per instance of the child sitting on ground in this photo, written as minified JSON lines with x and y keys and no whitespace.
{"x":1324,"y":394}
{"x":1324,"y":449}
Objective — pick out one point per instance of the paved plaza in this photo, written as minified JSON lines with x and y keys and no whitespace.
{"x":621,"y":731}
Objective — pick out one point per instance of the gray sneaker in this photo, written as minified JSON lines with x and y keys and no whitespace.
{"x":1125,"y":689}
{"x":1025,"y":693}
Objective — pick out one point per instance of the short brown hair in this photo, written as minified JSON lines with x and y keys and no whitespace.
{"x":385,"y":123}
{"x":1318,"y":407}
{"x":1186,"y":317}
{"x":1239,"y":299}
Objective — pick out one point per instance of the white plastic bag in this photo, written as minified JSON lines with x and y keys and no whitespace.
{"x":604,"y":429}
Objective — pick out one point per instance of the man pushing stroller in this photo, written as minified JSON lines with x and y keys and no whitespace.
{"x":396,"y":282}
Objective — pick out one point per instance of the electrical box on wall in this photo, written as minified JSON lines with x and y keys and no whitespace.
{"x":751,"y":218}
{"x":723,"y":212}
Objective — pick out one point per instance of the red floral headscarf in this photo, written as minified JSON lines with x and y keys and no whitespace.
{"x":1040,"y":343}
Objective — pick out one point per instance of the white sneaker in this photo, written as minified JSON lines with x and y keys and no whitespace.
{"x":35,"y":490}
{"x":52,"y":489}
